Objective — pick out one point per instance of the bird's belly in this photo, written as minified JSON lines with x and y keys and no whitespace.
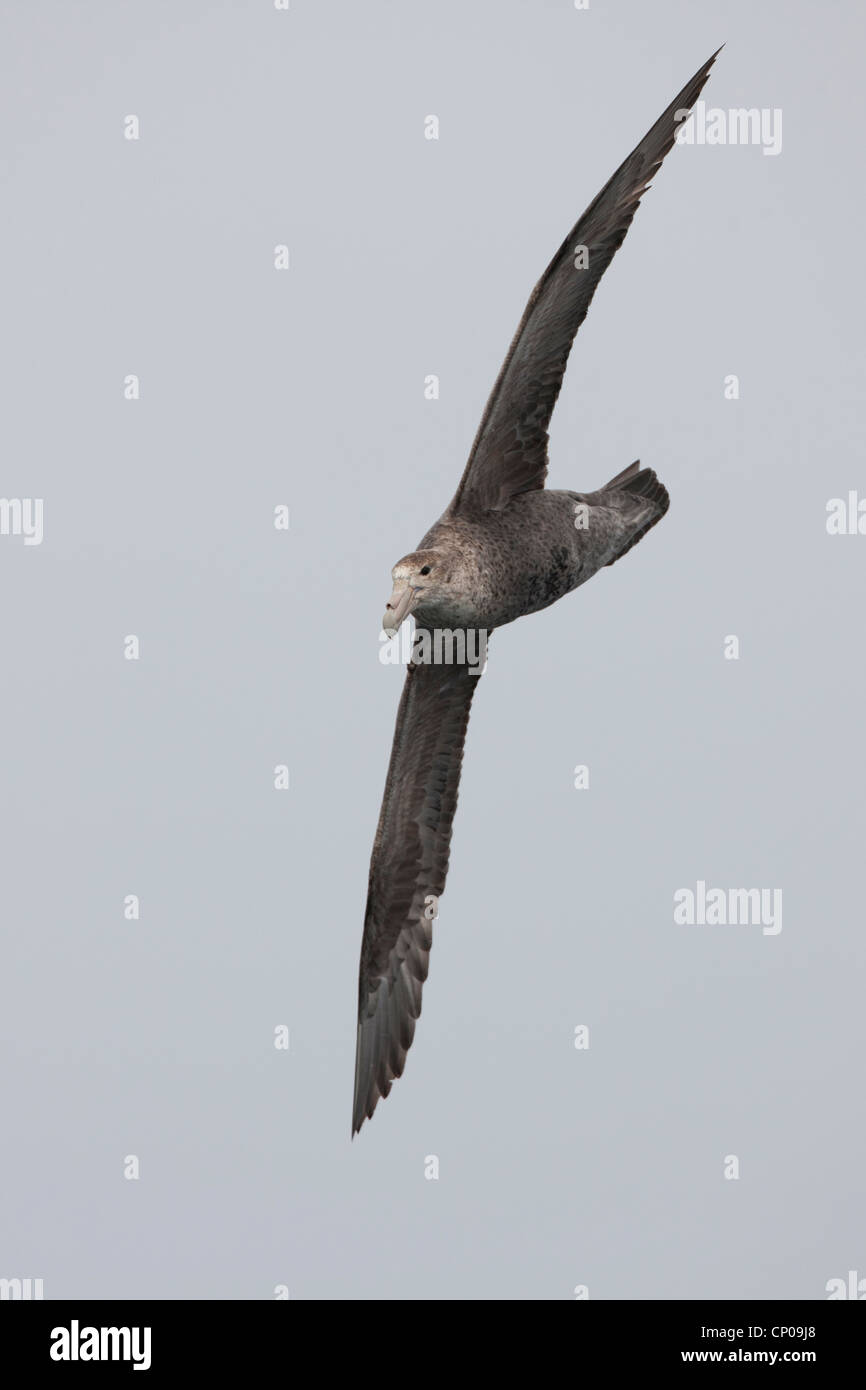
{"x":516,"y":562}
{"x":528,"y":581}
{"x":553,"y":574}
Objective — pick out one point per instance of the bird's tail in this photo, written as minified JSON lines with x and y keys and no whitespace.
{"x":640,"y":483}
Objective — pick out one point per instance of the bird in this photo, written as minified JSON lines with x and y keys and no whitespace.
{"x":505,"y":547}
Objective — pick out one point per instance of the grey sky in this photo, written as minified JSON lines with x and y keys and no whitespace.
{"x":558,"y":1167}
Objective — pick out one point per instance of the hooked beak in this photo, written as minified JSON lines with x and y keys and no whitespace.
{"x":400,"y":605}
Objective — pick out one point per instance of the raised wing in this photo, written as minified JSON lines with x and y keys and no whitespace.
{"x":407,"y":872}
{"x":509,"y":454}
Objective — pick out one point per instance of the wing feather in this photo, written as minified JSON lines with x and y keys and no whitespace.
{"x":409,"y":865}
{"x":509,"y":454}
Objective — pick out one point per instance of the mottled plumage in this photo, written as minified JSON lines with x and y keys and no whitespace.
{"x":505,"y":547}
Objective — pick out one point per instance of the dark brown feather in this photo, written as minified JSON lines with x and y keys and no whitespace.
{"x":408,"y":866}
{"x":509,"y":455}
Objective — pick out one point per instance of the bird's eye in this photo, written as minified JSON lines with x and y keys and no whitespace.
{"x":424,"y":570}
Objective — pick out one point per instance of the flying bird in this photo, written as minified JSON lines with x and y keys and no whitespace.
{"x":503,"y":548}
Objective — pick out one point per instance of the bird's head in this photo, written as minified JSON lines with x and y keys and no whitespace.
{"x":421,"y":579}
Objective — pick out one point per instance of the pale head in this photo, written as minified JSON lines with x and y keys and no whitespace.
{"x":420,"y":580}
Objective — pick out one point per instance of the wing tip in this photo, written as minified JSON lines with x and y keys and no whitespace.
{"x":696,"y":84}
{"x":368,"y":1089}
{"x":363,"y":1108}
{"x":704,"y":72}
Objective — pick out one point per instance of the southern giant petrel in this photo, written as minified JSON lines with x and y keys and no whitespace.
{"x":504,"y":547}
